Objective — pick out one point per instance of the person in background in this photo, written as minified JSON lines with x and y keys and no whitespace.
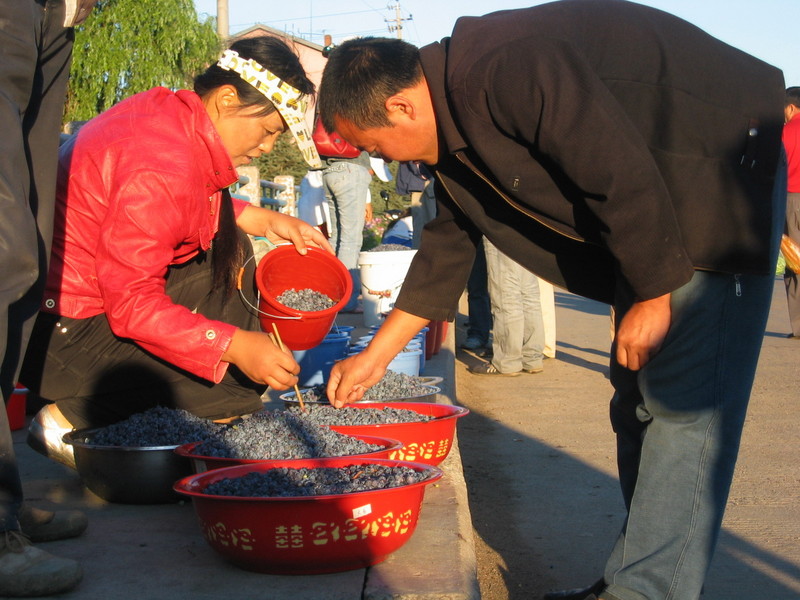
{"x":346,"y":184}
{"x":547,"y":299}
{"x":625,"y":155}
{"x":312,"y":206}
{"x":479,"y":306}
{"x":791,"y":142}
{"x":518,"y":330}
{"x":36,"y":39}
{"x":150,"y":293}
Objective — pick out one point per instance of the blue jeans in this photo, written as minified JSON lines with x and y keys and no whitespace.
{"x":518,"y":339}
{"x":346,"y":186}
{"x":678,"y":423}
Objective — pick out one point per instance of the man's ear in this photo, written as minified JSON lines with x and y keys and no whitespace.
{"x":399,"y":106}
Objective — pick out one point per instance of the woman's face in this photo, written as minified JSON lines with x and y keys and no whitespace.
{"x":244,"y":135}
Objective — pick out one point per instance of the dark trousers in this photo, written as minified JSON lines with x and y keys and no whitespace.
{"x":790,"y":278}
{"x":33,"y":78}
{"x":478,"y":301}
{"x":96,"y":378}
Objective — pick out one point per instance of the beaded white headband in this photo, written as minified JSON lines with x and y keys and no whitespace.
{"x":287,"y":99}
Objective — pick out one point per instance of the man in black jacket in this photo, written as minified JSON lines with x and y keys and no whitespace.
{"x":623,"y":154}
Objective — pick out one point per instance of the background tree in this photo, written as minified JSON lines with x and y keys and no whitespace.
{"x":128,"y":46}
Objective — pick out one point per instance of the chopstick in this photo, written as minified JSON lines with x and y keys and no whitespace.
{"x":276,"y":339}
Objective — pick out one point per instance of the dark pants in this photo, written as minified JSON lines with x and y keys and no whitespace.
{"x":478,"y":301}
{"x":790,"y":278}
{"x":96,"y":378}
{"x":33,"y":77}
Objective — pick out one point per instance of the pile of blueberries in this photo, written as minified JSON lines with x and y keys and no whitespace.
{"x":389,"y":248}
{"x":325,"y":414}
{"x":280,"y":435}
{"x":392,"y":386}
{"x":320,"y":481}
{"x":307,"y":300}
{"x":158,"y":426}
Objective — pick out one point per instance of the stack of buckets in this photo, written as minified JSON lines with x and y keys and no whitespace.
{"x":411,"y":360}
{"x":316,"y":363}
{"x":382,"y":275}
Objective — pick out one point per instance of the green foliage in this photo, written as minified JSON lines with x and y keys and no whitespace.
{"x":285,"y":159}
{"x":128,"y":46}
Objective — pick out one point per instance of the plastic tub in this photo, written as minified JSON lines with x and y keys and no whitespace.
{"x":15,"y":408}
{"x":426,"y":442}
{"x":406,"y":362}
{"x":282,"y":269}
{"x":382,"y":276}
{"x":316,"y":363}
{"x":127,"y":474}
{"x":307,"y":535}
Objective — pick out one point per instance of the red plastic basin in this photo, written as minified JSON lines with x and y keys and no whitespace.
{"x":308,"y":535}
{"x":426,"y":442}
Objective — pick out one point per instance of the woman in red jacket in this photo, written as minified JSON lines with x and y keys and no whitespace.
{"x":141,"y":306}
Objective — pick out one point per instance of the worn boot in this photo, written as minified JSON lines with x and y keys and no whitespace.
{"x":46,"y":526}
{"x":27,"y":571}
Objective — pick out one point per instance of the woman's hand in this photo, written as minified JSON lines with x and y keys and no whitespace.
{"x":642,"y":331}
{"x":261,"y":360}
{"x":279,"y":228}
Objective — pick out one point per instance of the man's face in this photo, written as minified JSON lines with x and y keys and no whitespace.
{"x":404,"y":141}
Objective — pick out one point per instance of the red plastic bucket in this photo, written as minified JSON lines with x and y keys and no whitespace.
{"x":284,"y":268}
{"x":15,"y":408}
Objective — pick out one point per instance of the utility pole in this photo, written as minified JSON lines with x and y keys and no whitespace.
{"x":223,"y":28}
{"x":398,"y":20}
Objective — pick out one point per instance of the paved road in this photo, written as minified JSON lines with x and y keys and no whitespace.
{"x":538,"y":456}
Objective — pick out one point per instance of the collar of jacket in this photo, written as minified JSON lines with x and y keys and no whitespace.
{"x":433,"y":58}
{"x":221,"y":173}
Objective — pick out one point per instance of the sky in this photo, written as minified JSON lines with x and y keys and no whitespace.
{"x":767,"y":29}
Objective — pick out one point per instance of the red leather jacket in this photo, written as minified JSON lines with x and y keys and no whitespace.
{"x":138,"y":191}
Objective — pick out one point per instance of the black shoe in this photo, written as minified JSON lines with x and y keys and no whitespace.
{"x":589,"y":593}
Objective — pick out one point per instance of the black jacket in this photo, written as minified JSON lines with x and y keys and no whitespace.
{"x":596,"y":142}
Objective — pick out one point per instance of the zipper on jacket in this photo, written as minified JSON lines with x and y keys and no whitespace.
{"x":511,"y":203}
{"x":737,"y":284}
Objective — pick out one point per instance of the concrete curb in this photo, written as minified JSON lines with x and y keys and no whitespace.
{"x":438,"y":563}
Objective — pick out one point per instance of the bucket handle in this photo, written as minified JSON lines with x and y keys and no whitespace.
{"x":382,"y":293}
{"x":248,"y":303}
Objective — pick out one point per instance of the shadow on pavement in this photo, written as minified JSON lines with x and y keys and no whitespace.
{"x":539,"y":460}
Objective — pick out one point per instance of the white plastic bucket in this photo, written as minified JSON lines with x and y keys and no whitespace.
{"x":382,"y":276}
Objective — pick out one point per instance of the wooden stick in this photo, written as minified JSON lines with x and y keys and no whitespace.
{"x":296,"y":389}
